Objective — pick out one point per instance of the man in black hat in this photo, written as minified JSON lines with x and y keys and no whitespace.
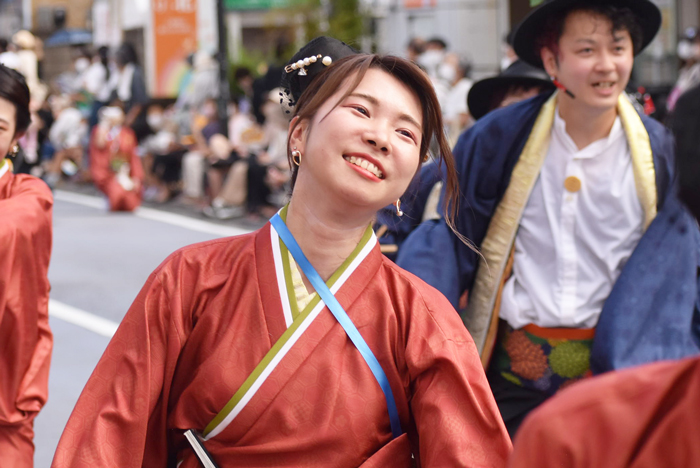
{"x":589,"y":260}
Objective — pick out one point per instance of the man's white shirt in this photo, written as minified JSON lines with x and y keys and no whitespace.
{"x":571,"y":246}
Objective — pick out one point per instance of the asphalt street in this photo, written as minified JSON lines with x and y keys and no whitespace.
{"x":99,"y":262}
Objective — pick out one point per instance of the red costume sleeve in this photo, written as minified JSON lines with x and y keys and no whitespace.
{"x":639,"y":417}
{"x":25,"y":338}
{"x":122,"y":411}
{"x":455,"y":414}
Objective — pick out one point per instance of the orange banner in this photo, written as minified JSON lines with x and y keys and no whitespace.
{"x":175,"y":37}
{"x":419,"y":3}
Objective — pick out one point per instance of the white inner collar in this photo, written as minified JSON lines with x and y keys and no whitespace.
{"x":593,"y":149}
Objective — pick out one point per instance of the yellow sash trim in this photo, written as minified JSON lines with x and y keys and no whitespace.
{"x":5,"y":166}
{"x":504,"y":224}
{"x":479,"y":316}
{"x":642,"y":158}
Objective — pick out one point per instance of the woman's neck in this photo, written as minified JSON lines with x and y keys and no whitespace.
{"x":584,"y":127}
{"x":327,"y":238}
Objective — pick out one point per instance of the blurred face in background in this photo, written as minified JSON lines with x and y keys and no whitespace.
{"x":271,"y":109}
{"x":154,"y":118}
{"x":210,"y":109}
{"x":81,"y":64}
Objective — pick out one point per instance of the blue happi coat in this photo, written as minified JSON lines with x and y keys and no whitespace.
{"x":648,"y":315}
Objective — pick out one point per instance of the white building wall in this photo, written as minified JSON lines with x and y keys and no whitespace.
{"x":472,"y":28}
{"x":688,"y":14}
{"x":112,"y":17}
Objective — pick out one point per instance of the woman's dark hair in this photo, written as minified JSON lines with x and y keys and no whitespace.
{"x":84,"y":52}
{"x":622,"y":19}
{"x":103,"y":53}
{"x":14,"y":88}
{"x":126,"y":54}
{"x":354,"y":67}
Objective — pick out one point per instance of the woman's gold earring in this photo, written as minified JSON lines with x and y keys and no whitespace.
{"x":398,"y":208}
{"x":14,"y":150}
{"x":296,"y":156}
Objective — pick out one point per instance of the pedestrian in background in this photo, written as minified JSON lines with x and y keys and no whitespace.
{"x":28,"y":63}
{"x":689,"y":74}
{"x":25,"y":249}
{"x":130,"y":86}
{"x":114,"y":165}
{"x":96,"y":82}
{"x":8,"y":56}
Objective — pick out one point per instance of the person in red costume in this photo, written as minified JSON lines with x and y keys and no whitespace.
{"x":115,"y":167}
{"x":231,"y":345}
{"x":25,"y":249}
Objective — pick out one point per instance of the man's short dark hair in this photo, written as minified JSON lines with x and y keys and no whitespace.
{"x":436,"y":41}
{"x":622,"y":19}
{"x":241,"y":72}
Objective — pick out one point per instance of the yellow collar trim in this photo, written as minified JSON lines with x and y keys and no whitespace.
{"x":496,"y":247}
{"x":301,"y":294}
{"x":5,"y":166}
{"x":300,"y":298}
{"x":642,"y":158}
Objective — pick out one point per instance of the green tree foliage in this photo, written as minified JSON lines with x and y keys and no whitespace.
{"x":345,"y":20}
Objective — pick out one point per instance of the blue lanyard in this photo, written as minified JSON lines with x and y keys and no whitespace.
{"x":342,"y":317}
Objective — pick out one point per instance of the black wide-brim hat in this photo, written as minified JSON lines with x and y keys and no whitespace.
{"x":481,"y":94}
{"x":527,"y":33}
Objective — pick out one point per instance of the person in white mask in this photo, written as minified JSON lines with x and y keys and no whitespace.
{"x":689,"y":75}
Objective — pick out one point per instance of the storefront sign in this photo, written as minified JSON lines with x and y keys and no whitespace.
{"x":175,"y":37}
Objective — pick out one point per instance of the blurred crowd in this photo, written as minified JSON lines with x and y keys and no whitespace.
{"x":183,"y":150}
{"x":84,"y":121}
{"x":450,"y":74}
{"x":225,"y":168}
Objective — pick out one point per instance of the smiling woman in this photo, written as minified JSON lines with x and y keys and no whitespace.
{"x":301,"y":344}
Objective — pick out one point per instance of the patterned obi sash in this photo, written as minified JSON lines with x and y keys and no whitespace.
{"x":546,"y":359}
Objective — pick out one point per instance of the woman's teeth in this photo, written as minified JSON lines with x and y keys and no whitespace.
{"x":364,"y":164}
{"x":604,"y":84}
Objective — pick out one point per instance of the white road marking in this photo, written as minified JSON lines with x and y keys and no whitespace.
{"x":83,"y":319}
{"x":100,"y":325}
{"x":154,"y":215}
{"x":79,"y":199}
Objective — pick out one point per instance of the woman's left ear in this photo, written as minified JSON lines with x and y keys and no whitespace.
{"x":297,"y":139}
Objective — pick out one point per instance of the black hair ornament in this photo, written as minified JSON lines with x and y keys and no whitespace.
{"x":306,"y":64}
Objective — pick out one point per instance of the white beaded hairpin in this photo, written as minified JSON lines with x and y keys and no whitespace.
{"x":301,"y":64}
